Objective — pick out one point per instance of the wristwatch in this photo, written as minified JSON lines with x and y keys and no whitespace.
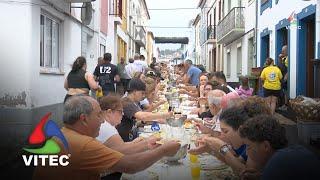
{"x":224,"y":149}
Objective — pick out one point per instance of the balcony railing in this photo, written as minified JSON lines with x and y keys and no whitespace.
{"x":231,"y":26}
{"x":115,"y":8}
{"x":203,"y":35}
{"x":211,"y":32}
{"x":140,"y":36}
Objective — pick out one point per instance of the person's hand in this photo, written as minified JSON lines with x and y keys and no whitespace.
{"x":161,"y":101}
{"x":202,"y":128}
{"x":195,"y":111}
{"x":214,"y":143}
{"x":99,"y":88}
{"x":281,"y":55}
{"x":201,"y":147}
{"x":151,"y":142}
{"x":161,"y":121}
{"x":138,"y":139}
{"x":250,"y":174}
{"x":183,"y":91}
{"x":171,"y":148}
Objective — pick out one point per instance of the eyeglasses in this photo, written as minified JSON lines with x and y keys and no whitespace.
{"x":151,"y":73}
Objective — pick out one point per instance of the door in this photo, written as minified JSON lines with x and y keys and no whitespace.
{"x":214,"y":57}
{"x":310,"y":47}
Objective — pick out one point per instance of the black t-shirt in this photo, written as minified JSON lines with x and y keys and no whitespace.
{"x":106,"y":73}
{"x":294,"y":162}
{"x":127,"y":128}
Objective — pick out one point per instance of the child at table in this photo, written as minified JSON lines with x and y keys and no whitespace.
{"x":244,"y":91}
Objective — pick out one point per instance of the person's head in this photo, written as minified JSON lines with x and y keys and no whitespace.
{"x":142,"y":58}
{"x":154,"y":59}
{"x":150,"y":88}
{"x":137,"y":89}
{"x":202,"y":68}
{"x":219,"y":77}
{"x":136,"y":56}
{"x":269,"y":62}
{"x":203,"y":79}
{"x":187,"y":64}
{"x":151,"y":74}
{"x":263,"y":135}
{"x":100,"y":61}
{"x":79,"y":63}
{"x":244,"y":82}
{"x":231,"y":119}
{"x":122,"y":60}
{"x":131,"y":60}
{"x":207,"y":88}
{"x":112,"y":109}
{"x":214,"y":101}
{"x":229,"y":100}
{"x":107,"y":57}
{"x":284,"y":50}
{"x":139,"y":75}
{"x":83,"y":114}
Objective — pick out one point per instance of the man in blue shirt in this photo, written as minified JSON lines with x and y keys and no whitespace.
{"x":193,"y":73}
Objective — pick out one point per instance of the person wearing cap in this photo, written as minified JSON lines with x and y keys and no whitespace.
{"x":133,"y":113}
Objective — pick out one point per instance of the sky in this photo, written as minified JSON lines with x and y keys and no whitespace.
{"x":176,"y":18}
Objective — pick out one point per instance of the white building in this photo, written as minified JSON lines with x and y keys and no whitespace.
{"x":40,"y":41}
{"x":236,"y":32}
{"x":197,"y":47}
{"x":294,"y":24}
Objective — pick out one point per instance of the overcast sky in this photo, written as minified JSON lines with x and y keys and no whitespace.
{"x":176,"y":18}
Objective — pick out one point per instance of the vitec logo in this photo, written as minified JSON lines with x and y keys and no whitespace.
{"x":49,"y":151}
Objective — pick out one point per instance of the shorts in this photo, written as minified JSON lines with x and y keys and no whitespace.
{"x":269,"y":92}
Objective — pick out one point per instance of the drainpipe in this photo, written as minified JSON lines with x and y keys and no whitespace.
{"x":256,"y":33}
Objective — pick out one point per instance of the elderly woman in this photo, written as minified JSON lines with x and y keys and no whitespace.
{"x":79,"y":81}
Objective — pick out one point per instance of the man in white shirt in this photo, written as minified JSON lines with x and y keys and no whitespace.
{"x":140,"y":64}
{"x":130,"y":68}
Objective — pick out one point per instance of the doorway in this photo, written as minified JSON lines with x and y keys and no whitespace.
{"x":305,"y":54}
{"x":264,"y":49}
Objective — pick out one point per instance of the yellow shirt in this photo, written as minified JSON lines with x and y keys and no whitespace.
{"x":89,"y":158}
{"x":286,"y":61}
{"x":271,"y":76}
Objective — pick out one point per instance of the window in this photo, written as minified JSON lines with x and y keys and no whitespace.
{"x":228,"y":64}
{"x":251,"y":55}
{"x":102,"y":50}
{"x":239,"y":59}
{"x":265,"y":4}
{"x":49,"y":42}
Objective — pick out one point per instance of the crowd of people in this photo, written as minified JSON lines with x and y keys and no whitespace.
{"x":236,"y":127}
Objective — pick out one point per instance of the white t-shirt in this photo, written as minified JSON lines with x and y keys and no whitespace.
{"x":106,"y":131}
{"x":130,"y":69}
{"x":144,"y":102}
{"x":140,"y":66}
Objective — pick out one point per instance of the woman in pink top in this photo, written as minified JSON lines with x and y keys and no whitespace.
{"x":244,"y":90}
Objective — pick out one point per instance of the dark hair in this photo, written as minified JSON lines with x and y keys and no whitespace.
{"x":142,"y":57}
{"x":244,"y":82}
{"x":136,"y":84}
{"x":219,"y":75}
{"x":201,"y":67}
{"x":107,"y":57}
{"x":110,"y":102}
{"x":237,"y":115}
{"x":78,"y":63}
{"x":269,"y":61}
{"x":264,"y":128}
{"x":131,"y":60}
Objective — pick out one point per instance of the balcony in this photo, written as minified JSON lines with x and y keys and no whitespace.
{"x":140,"y":36}
{"x":231,"y":27}
{"x":203,"y":35}
{"x":211,"y":34}
{"x":115,"y":9}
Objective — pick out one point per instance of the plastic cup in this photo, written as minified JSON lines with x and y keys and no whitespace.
{"x":195,"y":170}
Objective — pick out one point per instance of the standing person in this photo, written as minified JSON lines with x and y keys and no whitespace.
{"x":79,"y":81}
{"x":107,"y":74}
{"x":130,"y":68}
{"x":153,"y":63}
{"x":271,"y":77}
{"x":140,"y":64}
{"x":193,"y":73}
{"x":124,"y":78}
{"x":283,"y":65}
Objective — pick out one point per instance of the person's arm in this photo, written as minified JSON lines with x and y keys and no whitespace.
{"x":140,"y":161}
{"x":117,"y":76}
{"x":66,"y":84}
{"x":190,"y":93}
{"x":91,"y":81}
{"x":153,"y":106}
{"x":234,"y":162}
{"x":115,"y":142}
{"x":149,"y":116}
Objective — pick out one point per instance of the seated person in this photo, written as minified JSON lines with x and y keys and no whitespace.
{"x":89,"y":158}
{"x":267,"y":147}
{"x":148,"y":104}
{"x":230,"y":121}
{"x":132,"y":112}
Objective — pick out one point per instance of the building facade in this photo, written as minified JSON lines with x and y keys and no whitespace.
{"x":236,"y":32}
{"x":294,"y":24}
